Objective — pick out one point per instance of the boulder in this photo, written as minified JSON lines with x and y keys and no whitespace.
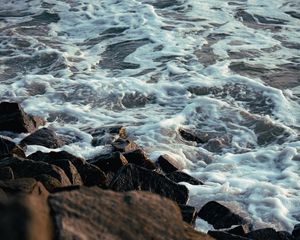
{"x":25,"y":217}
{"x":168,"y":164}
{"x":296,"y":231}
{"x":43,"y":137}
{"x":283,"y":235}
{"x":6,"y":173}
{"x":240,"y":230}
{"x":189,"y":135}
{"x":9,"y":148}
{"x":189,"y":213}
{"x":115,"y":216}
{"x":14,"y":119}
{"x":179,"y":176}
{"x":109,"y":163}
{"x":124,"y":145}
{"x":138,"y":157}
{"x":133,"y":177}
{"x":265,"y":234}
{"x":219,"y":215}
{"x":23,"y":168}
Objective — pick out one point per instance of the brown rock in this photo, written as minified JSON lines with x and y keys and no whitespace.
{"x":23,"y":168}
{"x":133,"y":215}
{"x":25,"y":217}
{"x":219,"y":215}
{"x":179,"y":176}
{"x":92,"y":175}
{"x":9,"y":148}
{"x":6,"y":173}
{"x":43,"y":137}
{"x":124,"y":145}
{"x":138,"y":157}
{"x":133,"y":177}
{"x":14,"y":119}
{"x":168,"y":164}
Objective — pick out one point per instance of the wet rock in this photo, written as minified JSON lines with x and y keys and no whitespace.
{"x":133,"y":177}
{"x":14,"y":119}
{"x":23,"y":185}
{"x":265,"y":233}
{"x":240,"y":230}
{"x":189,"y":135}
{"x":221,"y":235}
{"x":25,"y":217}
{"x":219,"y":215}
{"x":70,"y":170}
{"x":43,"y":137}
{"x":189,"y":214}
{"x":168,"y":164}
{"x":293,"y":14}
{"x":138,"y":157}
{"x":8,"y":147}
{"x":296,"y":231}
{"x":179,"y":176}
{"x":124,"y":145}
{"x":23,"y":168}
{"x":92,"y":175}
{"x":6,"y":173}
{"x":134,"y":215}
{"x":283,"y":235}
{"x":109,"y":163}
{"x":46,"y":18}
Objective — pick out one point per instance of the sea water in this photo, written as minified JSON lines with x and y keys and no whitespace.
{"x":226,"y":70}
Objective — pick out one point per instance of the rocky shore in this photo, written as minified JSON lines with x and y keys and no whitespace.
{"x":119,"y":195}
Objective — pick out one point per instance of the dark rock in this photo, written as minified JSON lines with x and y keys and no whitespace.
{"x":91,"y":175}
{"x":168,"y":164}
{"x":138,"y":157}
{"x":9,"y":148}
{"x":179,"y":176}
{"x":23,"y":168}
{"x":109,"y":163}
{"x":25,"y":217}
{"x":46,"y":17}
{"x":240,"y":230}
{"x":43,"y":137}
{"x":283,"y":235}
{"x":220,"y":216}
{"x":220,"y":235}
{"x":6,"y":173}
{"x":133,"y":177}
{"x":134,"y":215}
{"x":66,"y":189}
{"x":296,"y":231}
{"x":189,"y":214}
{"x":124,"y":145}
{"x":265,"y":234}
{"x":14,"y":119}
{"x":188,"y":135}
{"x":23,"y":185}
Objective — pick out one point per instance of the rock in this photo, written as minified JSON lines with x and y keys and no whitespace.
{"x":9,"y":148}
{"x":109,"y":163}
{"x":296,"y":231}
{"x":43,"y":137}
{"x":220,"y":235}
{"x":192,"y":234}
{"x":220,"y":216}
{"x":14,"y":119}
{"x":168,"y":164}
{"x":25,"y":217}
{"x":90,"y":174}
{"x":23,"y":185}
{"x":240,"y":230}
{"x":6,"y":173}
{"x":133,"y":177}
{"x":23,"y":168}
{"x":124,"y":145}
{"x":265,"y":233}
{"x":189,"y":135}
{"x":283,"y":235}
{"x":189,"y":214}
{"x":179,"y":176}
{"x":112,"y":215}
{"x":138,"y":157}
{"x":107,"y":134}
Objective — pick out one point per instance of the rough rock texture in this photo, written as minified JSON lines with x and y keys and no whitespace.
{"x":132,"y":177}
{"x":296,"y":231}
{"x":116,"y":216}
{"x":23,"y":168}
{"x":8,"y":147}
{"x":124,"y":145}
{"x":6,"y":173}
{"x":220,"y":216}
{"x":189,"y":214}
{"x":168,"y":164}
{"x":138,"y":157}
{"x":109,"y":163}
{"x":14,"y":119}
{"x":179,"y":176}
{"x":220,"y":235}
{"x":240,"y":230}
{"x":189,"y":135}
{"x":43,"y":137}
{"x":265,"y":234}
{"x":25,"y":217}
{"x":70,"y":170}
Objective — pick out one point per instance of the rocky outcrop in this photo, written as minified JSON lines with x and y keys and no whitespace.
{"x":111,"y":215}
{"x":14,"y":119}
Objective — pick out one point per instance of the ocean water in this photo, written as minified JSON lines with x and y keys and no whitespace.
{"x":229,"y":71}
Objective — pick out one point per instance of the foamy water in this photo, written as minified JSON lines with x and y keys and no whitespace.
{"x":228,"y":70}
